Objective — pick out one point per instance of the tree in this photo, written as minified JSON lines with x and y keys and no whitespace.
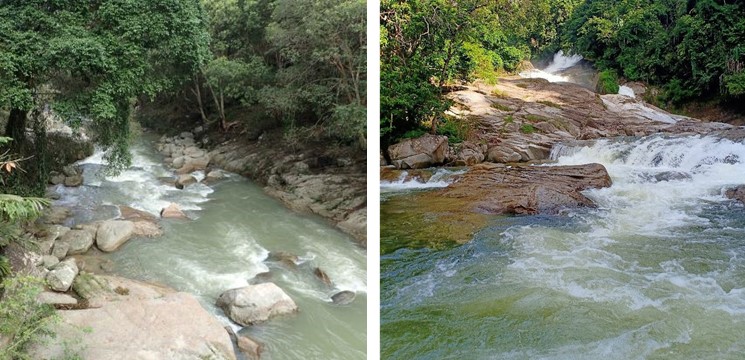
{"x":91,"y":59}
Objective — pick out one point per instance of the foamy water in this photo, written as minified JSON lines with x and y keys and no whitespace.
{"x":657,"y":271}
{"x":559,"y":63}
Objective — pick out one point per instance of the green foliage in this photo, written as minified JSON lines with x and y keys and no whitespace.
{"x":527,"y":129}
{"x":23,"y":320}
{"x":535,"y":118}
{"x":301,"y":63}
{"x":414,"y":133}
{"x":455,"y":129}
{"x":691,"y":49}
{"x":501,"y":107}
{"x":91,"y":60}
{"x":550,"y":103}
{"x":427,"y":43}
{"x":735,"y":84}
{"x":607,"y":82}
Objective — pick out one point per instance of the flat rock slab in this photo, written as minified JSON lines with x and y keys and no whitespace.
{"x":527,"y":190}
{"x":454,"y":214}
{"x":150,"y":325}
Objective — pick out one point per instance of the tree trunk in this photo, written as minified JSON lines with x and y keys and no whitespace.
{"x":16,"y":127}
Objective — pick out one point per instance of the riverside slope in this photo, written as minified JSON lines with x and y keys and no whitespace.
{"x":311,"y":180}
{"x":519,"y":120}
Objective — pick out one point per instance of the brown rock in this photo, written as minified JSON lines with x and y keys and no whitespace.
{"x":419,"y":153}
{"x":322,"y":276}
{"x":134,"y":215}
{"x":185,"y":180}
{"x":737,"y":193}
{"x":74,"y":181}
{"x":495,"y":189}
{"x":172,"y":211}
{"x":249,"y":347}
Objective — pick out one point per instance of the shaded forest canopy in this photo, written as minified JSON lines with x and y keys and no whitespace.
{"x":293,"y":64}
{"x":690,"y":49}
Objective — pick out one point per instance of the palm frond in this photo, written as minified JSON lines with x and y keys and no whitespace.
{"x":14,"y":208}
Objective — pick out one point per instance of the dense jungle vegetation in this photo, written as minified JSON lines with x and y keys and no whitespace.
{"x":690,"y":49}
{"x":296,"y":66}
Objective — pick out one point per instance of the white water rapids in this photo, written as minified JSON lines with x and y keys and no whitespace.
{"x":552,"y":72}
{"x":657,"y":271}
{"x":233,"y":228}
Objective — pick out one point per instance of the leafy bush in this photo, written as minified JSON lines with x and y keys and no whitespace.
{"x":23,"y":320}
{"x":414,"y":133}
{"x":608,"y":82}
{"x":456,"y":130}
{"x":527,"y":129}
{"x":348,"y":122}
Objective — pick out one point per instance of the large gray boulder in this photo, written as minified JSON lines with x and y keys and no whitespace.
{"x":419,"y":153}
{"x":255,"y":303}
{"x":62,"y":275}
{"x":79,"y":241}
{"x":113,"y":233}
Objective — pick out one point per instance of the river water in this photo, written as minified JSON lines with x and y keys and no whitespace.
{"x":657,"y":271}
{"x":234,"y":227}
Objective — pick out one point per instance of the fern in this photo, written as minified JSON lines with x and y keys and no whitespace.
{"x":14,"y":208}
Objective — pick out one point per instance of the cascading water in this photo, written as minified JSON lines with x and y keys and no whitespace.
{"x":440,"y":179}
{"x":235,"y":225}
{"x":560,"y":63}
{"x":657,"y":271}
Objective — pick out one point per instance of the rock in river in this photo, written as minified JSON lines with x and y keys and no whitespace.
{"x":343,"y":297}
{"x":113,"y":233}
{"x":255,"y":303}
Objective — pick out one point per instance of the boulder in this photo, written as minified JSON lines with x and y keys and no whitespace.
{"x":503,"y":154}
{"x":146,"y":323}
{"x":79,"y":241}
{"x":178,"y":162}
{"x":172,"y":212}
{"x":147,"y":229}
{"x":468,"y":153}
{"x":737,"y":193}
{"x":284,"y":258}
{"x":113,"y":233}
{"x":62,"y":275}
{"x":255,"y":303}
{"x":250,"y":348}
{"x":185,"y":180}
{"x":135,"y":215}
{"x":322,"y":276}
{"x":343,"y":297}
{"x":214,"y":175}
{"x":56,"y":178}
{"x":60,"y":249}
{"x":49,"y":261}
{"x":194,"y":164}
{"x":74,"y":181}
{"x":261,"y":278}
{"x":422,"y":152}
{"x":71,"y":170}
{"x":497,"y":189}
{"x":194,"y":152}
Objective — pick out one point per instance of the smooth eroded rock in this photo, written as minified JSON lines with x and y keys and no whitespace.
{"x":343,"y":297}
{"x":62,"y":275}
{"x":161,"y":325}
{"x":79,"y":241}
{"x":255,"y":303}
{"x":113,"y":233}
{"x":418,"y":153}
{"x":172,"y":211}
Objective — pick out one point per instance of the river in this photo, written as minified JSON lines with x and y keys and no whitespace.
{"x":657,"y":271}
{"x":234,"y":227}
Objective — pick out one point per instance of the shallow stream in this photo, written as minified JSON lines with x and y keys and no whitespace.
{"x":234,"y":226}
